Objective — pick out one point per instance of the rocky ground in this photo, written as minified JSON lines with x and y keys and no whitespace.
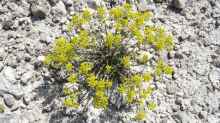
{"x":29,"y":95}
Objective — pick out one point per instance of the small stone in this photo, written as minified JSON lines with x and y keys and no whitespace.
{"x":171,"y":54}
{"x":9,"y":100}
{"x":68,"y":2}
{"x":179,"y":4}
{"x":170,"y":89}
{"x":7,"y":25}
{"x":203,"y":115}
{"x":216,"y":62}
{"x":27,"y":57}
{"x":214,"y":77}
{"x":178,"y":55}
{"x":142,"y":7}
{"x":39,"y":61}
{"x":27,"y":99}
{"x":40,"y":9}
{"x":1,"y":66}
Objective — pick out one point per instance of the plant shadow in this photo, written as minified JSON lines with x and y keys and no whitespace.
{"x":51,"y":92}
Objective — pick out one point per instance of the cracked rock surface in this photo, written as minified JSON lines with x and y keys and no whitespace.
{"x":29,"y":95}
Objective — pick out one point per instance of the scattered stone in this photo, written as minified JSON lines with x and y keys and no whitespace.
{"x":9,"y":100}
{"x":179,"y":4}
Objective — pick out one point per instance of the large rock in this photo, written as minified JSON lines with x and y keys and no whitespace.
{"x":8,"y":83}
{"x":183,"y":117}
{"x":40,"y":9}
{"x":179,"y":4}
{"x":60,"y":9}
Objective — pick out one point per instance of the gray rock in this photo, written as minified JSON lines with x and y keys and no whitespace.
{"x":203,"y":115}
{"x":214,"y":77}
{"x":182,"y":117}
{"x":26,"y":77}
{"x":27,"y":57}
{"x":53,"y":2}
{"x":59,"y":12}
{"x":179,"y":4}
{"x":1,"y":66}
{"x":171,"y":89}
{"x":40,"y":9}
{"x":216,"y":61}
{"x":9,"y":100}
{"x":60,"y":9}
{"x":68,"y":2}
{"x":27,"y":99}
{"x":7,"y":25}
{"x":12,"y":118}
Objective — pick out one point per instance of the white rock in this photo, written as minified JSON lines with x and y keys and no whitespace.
{"x":9,"y":74}
{"x":41,"y":58}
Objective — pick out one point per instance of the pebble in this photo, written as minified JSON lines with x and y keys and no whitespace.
{"x":7,"y":25}
{"x":9,"y":100}
{"x":214,"y":77}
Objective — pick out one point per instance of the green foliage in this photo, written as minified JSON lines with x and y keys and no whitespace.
{"x":151,"y":106}
{"x":161,"y":67}
{"x":141,"y":115}
{"x":72,"y":78}
{"x":102,"y":56}
{"x":2,"y":108}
